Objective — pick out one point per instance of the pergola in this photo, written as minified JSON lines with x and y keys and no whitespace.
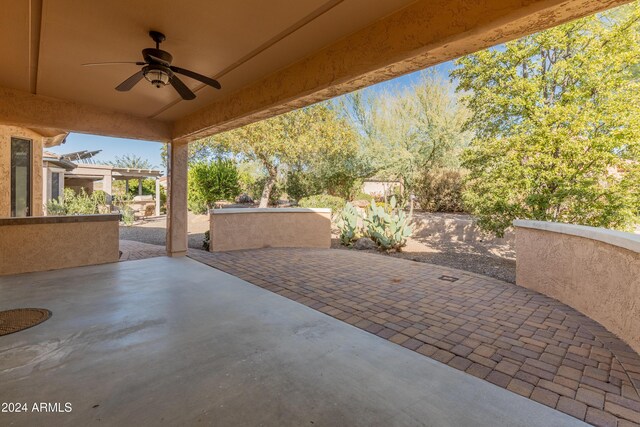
{"x":271,"y":57}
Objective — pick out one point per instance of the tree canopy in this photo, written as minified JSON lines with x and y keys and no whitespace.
{"x":131,"y":161}
{"x":406,"y":133}
{"x":556,"y":124}
{"x":296,"y":140}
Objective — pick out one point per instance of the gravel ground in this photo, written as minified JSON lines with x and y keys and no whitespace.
{"x":482,"y":257}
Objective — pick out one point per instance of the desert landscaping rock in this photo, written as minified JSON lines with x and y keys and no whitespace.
{"x":365,"y":243}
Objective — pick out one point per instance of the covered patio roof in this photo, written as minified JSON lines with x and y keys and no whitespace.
{"x":270,"y":57}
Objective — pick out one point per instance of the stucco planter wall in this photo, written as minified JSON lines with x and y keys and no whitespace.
{"x":49,"y":243}
{"x":596,"y":271}
{"x":248,"y":228}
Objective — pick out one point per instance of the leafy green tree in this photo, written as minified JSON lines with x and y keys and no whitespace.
{"x":556,"y":122}
{"x":210,"y":182}
{"x":407,"y":132}
{"x":131,"y":161}
{"x":288,"y":141}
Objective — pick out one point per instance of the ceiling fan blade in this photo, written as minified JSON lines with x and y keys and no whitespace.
{"x":181,"y":88}
{"x":130,"y":82}
{"x":196,"y":76}
{"x":91,"y":64}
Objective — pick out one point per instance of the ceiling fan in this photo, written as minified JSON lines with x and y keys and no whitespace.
{"x":158,"y":71}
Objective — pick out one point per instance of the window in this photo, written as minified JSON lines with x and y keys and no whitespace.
{"x":20,"y":177}
{"x":55,"y":185}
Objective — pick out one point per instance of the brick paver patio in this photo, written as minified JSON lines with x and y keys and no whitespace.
{"x":136,"y":250}
{"x":513,"y":337}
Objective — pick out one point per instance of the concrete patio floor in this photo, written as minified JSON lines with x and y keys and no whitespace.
{"x":168,"y":341}
{"x":510,"y":336}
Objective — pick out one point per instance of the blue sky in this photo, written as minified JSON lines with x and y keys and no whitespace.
{"x":112,"y":147}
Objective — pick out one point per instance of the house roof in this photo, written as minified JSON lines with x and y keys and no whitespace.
{"x":58,"y":160}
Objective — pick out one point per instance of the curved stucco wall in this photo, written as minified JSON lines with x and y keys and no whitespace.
{"x":249,"y":228}
{"x":596,"y":271}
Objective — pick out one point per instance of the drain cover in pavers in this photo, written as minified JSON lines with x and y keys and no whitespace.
{"x":21,"y":318}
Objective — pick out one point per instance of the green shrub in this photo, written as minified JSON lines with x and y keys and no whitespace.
{"x":122,"y":202}
{"x":389,"y":228}
{"x":210,"y":182}
{"x":206,"y":241}
{"x":301,"y":184}
{"x":336,"y":204}
{"x":128,"y":216}
{"x":363,"y":196}
{"x":56,"y":207}
{"x":341,"y":184}
{"x":440,"y":190}
{"x":77,"y":203}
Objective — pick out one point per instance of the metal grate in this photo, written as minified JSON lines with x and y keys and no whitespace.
{"x":448,"y":278}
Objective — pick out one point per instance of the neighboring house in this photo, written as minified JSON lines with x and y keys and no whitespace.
{"x":89,"y":176}
{"x":22,"y":186}
{"x":54,"y":168}
{"x":30,"y":176}
{"x":379,"y":187}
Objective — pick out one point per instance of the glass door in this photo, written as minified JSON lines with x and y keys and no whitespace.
{"x":20,"y":177}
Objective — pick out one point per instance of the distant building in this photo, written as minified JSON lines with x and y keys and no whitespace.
{"x":379,"y":187}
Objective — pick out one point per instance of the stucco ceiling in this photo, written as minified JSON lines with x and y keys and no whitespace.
{"x":270,"y":56}
{"x":44,"y":44}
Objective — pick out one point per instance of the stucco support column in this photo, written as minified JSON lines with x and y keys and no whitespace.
{"x":157,"y":196}
{"x":107,"y":181}
{"x":140,"y":186}
{"x":177,"y":198}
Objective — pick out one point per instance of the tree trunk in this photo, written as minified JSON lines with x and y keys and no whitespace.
{"x":268,"y":186}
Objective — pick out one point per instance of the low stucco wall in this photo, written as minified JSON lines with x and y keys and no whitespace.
{"x":50,"y":243}
{"x":235,"y":229}
{"x":596,"y":271}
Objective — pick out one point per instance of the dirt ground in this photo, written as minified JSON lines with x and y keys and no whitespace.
{"x":451,"y":246}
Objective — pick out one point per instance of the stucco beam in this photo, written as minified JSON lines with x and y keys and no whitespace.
{"x":423,"y":34}
{"x":18,"y":108}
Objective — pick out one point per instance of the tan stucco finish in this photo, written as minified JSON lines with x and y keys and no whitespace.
{"x":177,"y":219}
{"x":596,"y":278}
{"x":51,"y":246}
{"x":48,"y":87}
{"x":236,"y":231}
{"x":35,"y":111}
{"x":423,"y":34}
{"x":37,"y":140}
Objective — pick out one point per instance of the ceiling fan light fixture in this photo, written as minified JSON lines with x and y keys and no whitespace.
{"x":157,"y":77}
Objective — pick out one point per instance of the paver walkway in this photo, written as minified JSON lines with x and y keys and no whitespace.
{"x":136,"y":250}
{"x":510,"y":336}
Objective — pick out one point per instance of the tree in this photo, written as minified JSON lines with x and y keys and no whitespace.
{"x":294,"y":140}
{"x":210,"y":182}
{"x":131,"y":161}
{"x":405,"y":133}
{"x":556,"y":118}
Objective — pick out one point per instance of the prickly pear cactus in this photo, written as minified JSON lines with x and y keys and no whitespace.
{"x":348,"y":224}
{"x":388,"y":228}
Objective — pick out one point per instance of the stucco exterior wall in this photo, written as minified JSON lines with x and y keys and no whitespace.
{"x":597,"y":274}
{"x":6,"y":132}
{"x":51,"y":243}
{"x":236,"y":229}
